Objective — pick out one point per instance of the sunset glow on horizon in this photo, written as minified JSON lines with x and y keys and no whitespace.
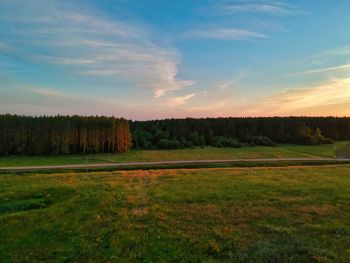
{"x":173,"y":59}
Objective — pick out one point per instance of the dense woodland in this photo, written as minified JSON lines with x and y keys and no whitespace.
{"x":75,"y":134}
{"x":238,"y":132}
{"x":63,"y":135}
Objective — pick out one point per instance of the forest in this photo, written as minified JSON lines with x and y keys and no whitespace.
{"x":238,"y":132}
{"x":63,"y":135}
{"x":76,"y":134}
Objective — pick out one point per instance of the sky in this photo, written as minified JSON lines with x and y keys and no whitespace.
{"x":147,"y":59}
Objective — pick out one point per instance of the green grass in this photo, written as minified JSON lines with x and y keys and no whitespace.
{"x":290,"y":214}
{"x":282,"y":151}
{"x":343,"y":150}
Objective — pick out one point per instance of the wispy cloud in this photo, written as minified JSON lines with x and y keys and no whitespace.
{"x":221,"y":96}
{"x":300,"y":101}
{"x":87,"y":44}
{"x":330,"y":97}
{"x":334,"y":52}
{"x":178,"y":100}
{"x":45,"y":92}
{"x":237,"y":77}
{"x":344,"y":68}
{"x":245,"y":27}
{"x":261,"y":6}
{"x":7,"y":71}
{"x":211,"y":108}
{"x":224,"y":34}
{"x":35,"y":100}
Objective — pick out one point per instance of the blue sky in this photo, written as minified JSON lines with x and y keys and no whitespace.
{"x":162,"y":59}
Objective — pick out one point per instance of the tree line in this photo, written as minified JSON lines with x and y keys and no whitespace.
{"x":63,"y":135}
{"x":76,"y":134}
{"x":238,"y":132}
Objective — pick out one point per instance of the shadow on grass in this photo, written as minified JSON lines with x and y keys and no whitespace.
{"x":35,"y":202}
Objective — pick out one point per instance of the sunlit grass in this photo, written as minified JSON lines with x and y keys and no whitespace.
{"x":299,"y":214}
{"x":282,"y":151}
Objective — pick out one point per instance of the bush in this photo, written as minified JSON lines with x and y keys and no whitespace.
{"x":220,"y":141}
{"x":186,"y":144}
{"x":305,"y":136}
{"x":218,"y":144}
{"x":305,"y":140}
{"x":261,"y":140}
{"x":327,"y":141}
{"x":168,"y":144}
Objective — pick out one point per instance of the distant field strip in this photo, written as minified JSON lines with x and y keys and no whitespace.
{"x":207,"y":153}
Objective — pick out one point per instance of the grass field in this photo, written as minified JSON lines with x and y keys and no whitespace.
{"x":291,"y":214}
{"x":282,"y":151}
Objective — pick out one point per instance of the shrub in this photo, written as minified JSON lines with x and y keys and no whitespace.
{"x":306,"y":137}
{"x":261,"y":140}
{"x":186,"y":144}
{"x":168,"y":144}
{"x":327,"y":141}
{"x":217,"y":144}
{"x":305,"y":140}
{"x":220,"y":141}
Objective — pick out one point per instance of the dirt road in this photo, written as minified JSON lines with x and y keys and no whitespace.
{"x":175,"y":162}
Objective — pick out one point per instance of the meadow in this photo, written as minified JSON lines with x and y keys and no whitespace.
{"x":208,"y":153}
{"x":285,"y":214}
